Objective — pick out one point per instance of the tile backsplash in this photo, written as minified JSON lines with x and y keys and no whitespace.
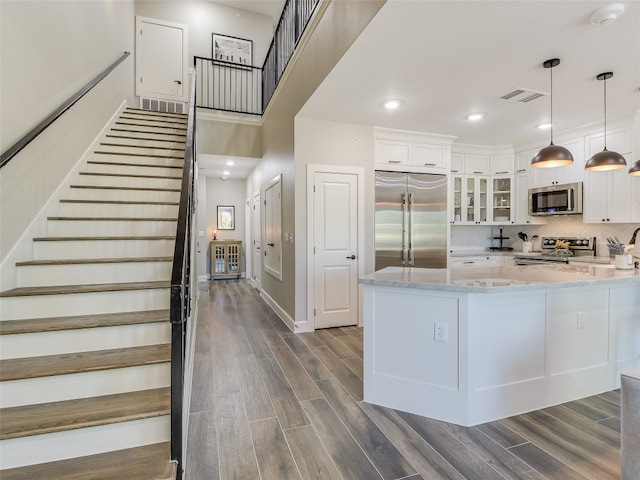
{"x":474,"y":237}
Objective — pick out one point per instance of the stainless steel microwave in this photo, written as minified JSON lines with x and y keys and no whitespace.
{"x":556,"y":199}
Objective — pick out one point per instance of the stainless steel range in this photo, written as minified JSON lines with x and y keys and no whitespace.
{"x":558,"y":250}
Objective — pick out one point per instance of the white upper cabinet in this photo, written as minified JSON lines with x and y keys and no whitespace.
{"x":523,"y":161}
{"x":618,"y":140}
{"x":412,"y":151}
{"x":544,"y":177}
{"x":501,"y":164}
{"x":457,"y":162}
{"x":476,"y":164}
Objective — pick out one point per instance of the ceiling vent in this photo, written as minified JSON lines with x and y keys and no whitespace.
{"x":522,"y":95}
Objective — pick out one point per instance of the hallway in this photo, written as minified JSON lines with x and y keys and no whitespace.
{"x":270,"y":405}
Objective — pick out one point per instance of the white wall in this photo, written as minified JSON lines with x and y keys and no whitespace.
{"x":48,"y":51}
{"x":227,"y":192}
{"x":204,"y":18}
{"x":330,"y":143}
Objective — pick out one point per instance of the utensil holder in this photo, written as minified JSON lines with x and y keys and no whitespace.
{"x":527,"y":247}
{"x":623,"y":262}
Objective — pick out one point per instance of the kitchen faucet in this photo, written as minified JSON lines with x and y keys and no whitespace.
{"x":633,"y":238}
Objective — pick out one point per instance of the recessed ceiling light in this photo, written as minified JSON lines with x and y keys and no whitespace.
{"x":392,"y":104}
{"x":544,"y":126}
{"x":230,"y":162}
{"x":474,"y":117}
{"x":226,"y":172}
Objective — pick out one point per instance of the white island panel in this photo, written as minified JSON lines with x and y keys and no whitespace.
{"x":624,"y":325}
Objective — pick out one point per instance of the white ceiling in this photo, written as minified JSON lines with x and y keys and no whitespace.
{"x":445,"y":59}
{"x":270,"y":8}
{"x":215,"y":166}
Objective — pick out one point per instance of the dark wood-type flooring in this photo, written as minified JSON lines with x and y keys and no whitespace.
{"x":271,"y":405}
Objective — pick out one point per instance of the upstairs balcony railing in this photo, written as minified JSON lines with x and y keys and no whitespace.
{"x":231,"y":87}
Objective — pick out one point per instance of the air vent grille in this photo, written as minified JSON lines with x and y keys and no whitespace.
{"x":522,"y":95}
{"x":157,"y":105}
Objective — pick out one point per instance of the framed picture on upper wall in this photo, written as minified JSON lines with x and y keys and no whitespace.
{"x":232,"y":49}
{"x":226,"y":217}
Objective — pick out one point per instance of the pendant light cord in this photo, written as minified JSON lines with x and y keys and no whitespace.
{"x":605,"y":112}
{"x":551,"y":102}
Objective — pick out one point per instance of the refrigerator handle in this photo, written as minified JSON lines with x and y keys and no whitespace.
{"x":410,"y":225}
{"x":403,"y":197}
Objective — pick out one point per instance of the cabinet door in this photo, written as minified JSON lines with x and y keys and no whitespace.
{"x":521,"y":196}
{"x":502,"y":199}
{"x":482,"y":212}
{"x":501,"y":164}
{"x":618,"y":140}
{"x":522,"y":161}
{"x":423,"y":155}
{"x":620,"y":198}
{"x":456,"y":201}
{"x":391,"y":152}
{"x":476,"y":164}
{"x":595,"y":190}
{"x":457,"y":163}
{"x":635,"y":199}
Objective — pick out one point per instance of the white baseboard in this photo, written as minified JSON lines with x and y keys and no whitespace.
{"x":284,"y":316}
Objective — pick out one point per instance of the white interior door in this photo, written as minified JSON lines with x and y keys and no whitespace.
{"x":161,"y":59}
{"x":256,"y":241}
{"x":335,"y":242}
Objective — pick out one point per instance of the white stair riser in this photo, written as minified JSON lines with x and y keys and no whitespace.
{"x":50,"y":447}
{"x":37,"y":306}
{"x":107,"y":157}
{"x":83,"y":340}
{"x":119,"y":141}
{"x":79,"y":274}
{"x":120,"y":194}
{"x":135,"y":182}
{"x":147,"y":151}
{"x":112,"y":228}
{"x":116,"y":133}
{"x":150,"y":129}
{"x":139,"y":169}
{"x":84,"y":385}
{"x":58,"y":250}
{"x":162,"y":123}
{"x":72,"y":209}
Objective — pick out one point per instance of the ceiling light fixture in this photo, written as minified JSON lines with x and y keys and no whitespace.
{"x":605,"y":160}
{"x":544,"y":126}
{"x":474,"y":117}
{"x":230,"y":162}
{"x":391,"y":104}
{"x":635,"y":169}
{"x":607,"y":14}
{"x":552,"y":155}
{"x":226,"y":172}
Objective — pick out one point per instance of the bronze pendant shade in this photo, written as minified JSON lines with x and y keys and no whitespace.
{"x":606,"y":159}
{"x":552,"y":155}
{"x":635,"y":169}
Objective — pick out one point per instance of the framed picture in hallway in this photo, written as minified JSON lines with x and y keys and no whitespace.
{"x":226,"y":217}
{"x":232,"y":49}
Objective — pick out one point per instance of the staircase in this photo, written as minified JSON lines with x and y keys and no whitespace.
{"x":84,"y":335}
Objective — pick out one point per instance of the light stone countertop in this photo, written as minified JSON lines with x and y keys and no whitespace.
{"x":484,"y":279}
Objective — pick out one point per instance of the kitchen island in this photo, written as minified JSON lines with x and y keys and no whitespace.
{"x":471,"y":345}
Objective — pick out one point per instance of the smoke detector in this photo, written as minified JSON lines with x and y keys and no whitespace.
{"x":607,"y":14}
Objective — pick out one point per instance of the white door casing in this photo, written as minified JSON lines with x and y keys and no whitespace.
{"x":272,"y":237}
{"x":161,"y":59}
{"x":256,"y":241}
{"x":335,"y":223}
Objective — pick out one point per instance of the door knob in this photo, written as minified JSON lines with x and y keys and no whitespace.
{"x":352,"y":257}
{"x":178,"y":82}
{"x":271,"y":244}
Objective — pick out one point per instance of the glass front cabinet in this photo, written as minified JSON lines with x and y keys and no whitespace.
{"x":470,"y":199}
{"x":481,"y":199}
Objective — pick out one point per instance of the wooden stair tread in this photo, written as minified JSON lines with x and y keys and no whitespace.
{"x":75,"y":239}
{"x":155,"y":113}
{"x":149,"y":462}
{"x":116,"y":187}
{"x":149,"y":118}
{"x":111,"y":134}
{"x":82,"y":362}
{"x":53,"y":324}
{"x":90,"y":288}
{"x":113,"y":144}
{"x":53,"y":417}
{"x":117,"y":219}
{"x":82,"y":261}
{"x":117,"y":202}
{"x":147,"y":132}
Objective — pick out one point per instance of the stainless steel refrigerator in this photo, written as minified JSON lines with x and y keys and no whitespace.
{"x":411,"y":220}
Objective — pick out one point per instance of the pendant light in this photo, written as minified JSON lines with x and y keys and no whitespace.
{"x":635,"y":169}
{"x":605,"y":160}
{"x":552,"y":155}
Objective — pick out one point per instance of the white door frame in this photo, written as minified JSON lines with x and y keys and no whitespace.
{"x":185,"y":56}
{"x":312,"y":169}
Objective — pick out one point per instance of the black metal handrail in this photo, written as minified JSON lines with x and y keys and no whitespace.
{"x":42,"y":126}
{"x":180,"y":301}
{"x":237,"y":88}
